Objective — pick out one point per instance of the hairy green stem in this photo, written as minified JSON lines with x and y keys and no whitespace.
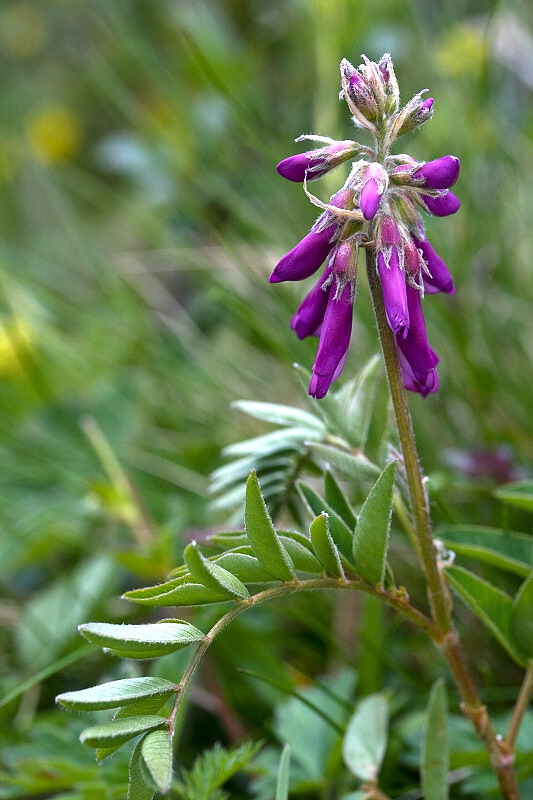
{"x":396,"y":600}
{"x":500,"y":753}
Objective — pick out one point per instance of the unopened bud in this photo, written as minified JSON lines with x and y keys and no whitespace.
{"x":375,"y":183}
{"x":421,"y":112}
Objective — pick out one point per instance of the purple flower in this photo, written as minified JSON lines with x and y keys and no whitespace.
{"x":392,"y":276}
{"x":334,"y":341}
{"x":308,"y":319}
{"x":417,"y":360}
{"x":374,"y":184}
{"x":439,"y":279}
{"x":304,"y":259}
{"x":441,"y":206}
{"x":440,"y":173}
{"x":315,"y":163}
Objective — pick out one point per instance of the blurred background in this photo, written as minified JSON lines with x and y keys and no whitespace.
{"x":140,"y":216}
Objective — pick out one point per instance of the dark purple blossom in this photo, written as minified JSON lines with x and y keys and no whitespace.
{"x":439,"y":278}
{"x":392,"y":277}
{"x":442,"y":206}
{"x":334,"y":341}
{"x":417,"y":359}
{"x":315,"y":163}
{"x":374,"y":185}
{"x":440,"y":173}
{"x":308,"y":319}
{"x":308,"y":255}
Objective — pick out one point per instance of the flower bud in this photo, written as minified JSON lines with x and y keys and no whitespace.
{"x":438,"y":174}
{"x":315,"y":163}
{"x":441,"y":206}
{"x":357,"y":90}
{"x":422,"y":111}
{"x":334,"y":342}
{"x":390,"y":84}
{"x":308,"y":319}
{"x":375,"y":183}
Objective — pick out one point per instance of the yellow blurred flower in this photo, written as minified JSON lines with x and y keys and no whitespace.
{"x":463,"y":51}
{"x":54,"y":134}
{"x":15,"y":340}
{"x":22,"y":29}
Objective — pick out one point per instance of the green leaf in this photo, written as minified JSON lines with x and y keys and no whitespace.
{"x":522,"y":617}
{"x":303,"y":558}
{"x":262,"y":534}
{"x":138,"y":789}
{"x":274,"y":442}
{"x":279,"y":414}
{"x":156,"y":750}
{"x":358,"y":397}
{"x":212,"y":575}
{"x":324,"y":547}
{"x":245,"y":567}
{"x":365,"y":740}
{"x":229,"y":538}
{"x":435,"y":755}
{"x":353,"y":465}
{"x":340,"y":532}
{"x":48,"y":624}
{"x":337,"y":500}
{"x":184,"y":594}
{"x":141,"y":641}
{"x":214,"y":767}
{"x":491,"y":605}
{"x":519,"y":494}
{"x":503,"y":549}
{"x":116,"y":693}
{"x":120,"y":730}
{"x":371,"y":536}
{"x":282,"y":783}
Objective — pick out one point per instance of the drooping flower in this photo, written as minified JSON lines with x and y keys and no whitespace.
{"x":380,"y":205}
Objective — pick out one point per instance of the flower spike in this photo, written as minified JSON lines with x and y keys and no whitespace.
{"x":380,"y":205}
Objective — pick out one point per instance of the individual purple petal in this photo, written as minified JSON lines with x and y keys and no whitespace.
{"x":304,"y":259}
{"x":440,"y":173}
{"x":440,"y":279}
{"x":394,"y":292}
{"x":334,"y":341}
{"x":308,"y":319}
{"x":315,"y":163}
{"x":442,"y":206}
{"x":375,"y":183}
{"x":417,"y":359}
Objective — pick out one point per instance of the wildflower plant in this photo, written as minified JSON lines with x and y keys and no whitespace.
{"x":379,"y":210}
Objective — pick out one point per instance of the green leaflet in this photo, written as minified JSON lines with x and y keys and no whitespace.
{"x":522,"y":617}
{"x":116,"y":693}
{"x":353,"y":465}
{"x":519,"y":494}
{"x":324,"y":546}
{"x":212,"y":575}
{"x":435,"y":754}
{"x":279,"y":414}
{"x":340,"y":532}
{"x":491,"y":605}
{"x":156,"y":749}
{"x":120,"y":730}
{"x":274,"y":442}
{"x":337,"y":500}
{"x":506,"y":550}
{"x":282,"y":783}
{"x":365,"y":740}
{"x":245,"y":567}
{"x":371,"y":536}
{"x":262,"y":534}
{"x":184,"y":594}
{"x":141,"y":641}
{"x":138,"y":789}
{"x":301,"y":556}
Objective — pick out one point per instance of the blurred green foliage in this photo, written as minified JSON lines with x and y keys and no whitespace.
{"x":140,"y":215}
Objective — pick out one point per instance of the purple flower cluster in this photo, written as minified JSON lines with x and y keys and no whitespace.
{"x":379,"y":205}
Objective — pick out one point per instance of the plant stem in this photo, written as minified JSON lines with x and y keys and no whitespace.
{"x":522,"y":703}
{"x":395,"y":600}
{"x":501,"y":755}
